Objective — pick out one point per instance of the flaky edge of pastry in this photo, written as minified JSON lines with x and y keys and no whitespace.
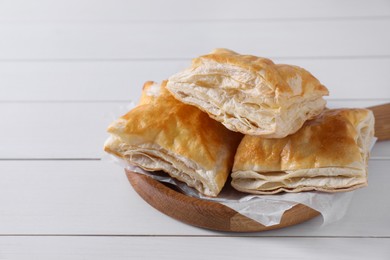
{"x":304,"y":188}
{"x":251,"y":118}
{"x":297,"y":184}
{"x":152,"y":157}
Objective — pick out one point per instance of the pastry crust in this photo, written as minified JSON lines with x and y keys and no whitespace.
{"x":329,"y":153}
{"x":250,"y":94}
{"x":162,"y":133}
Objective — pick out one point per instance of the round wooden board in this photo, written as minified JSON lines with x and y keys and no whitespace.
{"x":207,"y":214}
{"x":215,"y":216}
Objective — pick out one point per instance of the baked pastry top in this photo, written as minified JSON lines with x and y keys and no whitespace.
{"x":329,"y":153}
{"x":162,"y":133}
{"x":250,"y":94}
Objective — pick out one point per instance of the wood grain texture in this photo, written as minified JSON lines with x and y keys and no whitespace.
{"x":207,"y":214}
{"x":382,"y":121}
{"x":215,"y":216}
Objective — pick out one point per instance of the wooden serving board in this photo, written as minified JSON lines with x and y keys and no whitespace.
{"x":203,"y":213}
{"x":215,"y":216}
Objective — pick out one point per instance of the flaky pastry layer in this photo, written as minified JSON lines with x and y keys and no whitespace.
{"x":162,"y":133}
{"x":152,"y":157}
{"x":249,"y":94}
{"x":329,"y":153}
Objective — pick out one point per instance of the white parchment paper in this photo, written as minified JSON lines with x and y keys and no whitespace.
{"x":266,"y":209}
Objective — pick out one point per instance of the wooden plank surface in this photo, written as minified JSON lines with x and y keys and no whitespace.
{"x":55,"y":130}
{"x":160,"y":40}
{"x":95,"y":198}
{"x":75,"y":197}
{"x":171,"y":10}
{"x":218,"y":248}
{"x":68,"y":68}
{"x":39,"y":130}
{"x":122,"y":80}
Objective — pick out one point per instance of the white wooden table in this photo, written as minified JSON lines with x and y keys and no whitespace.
{"x":67,"y":68}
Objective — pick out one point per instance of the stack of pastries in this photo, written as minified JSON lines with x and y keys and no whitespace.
{"x":264,"y":124}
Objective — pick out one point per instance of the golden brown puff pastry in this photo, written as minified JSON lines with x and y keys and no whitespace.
{"x":329,"y":153}
{"x":249,"y":94}
{"x":162,"y":133}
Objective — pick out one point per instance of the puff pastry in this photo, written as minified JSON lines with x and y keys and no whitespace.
{"x":162,"y":133}
{"x":329,"y":153}
{"x":249,"y":94}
